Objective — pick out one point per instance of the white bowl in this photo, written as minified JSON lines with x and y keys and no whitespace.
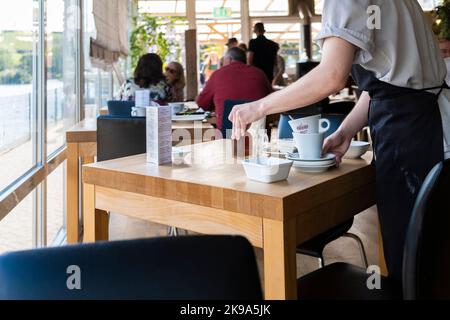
{"x":267,"y":170}
{"x":357,"y":149}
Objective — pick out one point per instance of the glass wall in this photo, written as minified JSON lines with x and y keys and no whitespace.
{"x":62,"y":47}
{"x":56,"y":202}
{"x":16,"y":229}
{"x":39,"y":89}
{"x":18,"y":52}
{"x":261,"y":8}
{"x":100,"y":85}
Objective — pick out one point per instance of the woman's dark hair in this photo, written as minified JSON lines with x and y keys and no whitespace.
{"x":149,"y":70}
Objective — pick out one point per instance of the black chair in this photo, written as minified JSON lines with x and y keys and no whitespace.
{"x":426,"y":260}
{"x":228,"y":106}
{"x":187,"y":268}
{"x":316,"y":246}
{"x":120,"y":137}
{"x":339,"y":107}
{"x":120,"y":108}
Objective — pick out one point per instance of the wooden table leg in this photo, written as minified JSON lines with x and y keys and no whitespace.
{"x":88,"y":160}
{"x":73,"y":195}
{"x":280,"y":267}
{"x":96,"y":222}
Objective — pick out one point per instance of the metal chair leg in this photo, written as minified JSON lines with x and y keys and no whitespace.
{"x":172,"y":232}
{"x":321,"y":262}
{"x":361,"y":247}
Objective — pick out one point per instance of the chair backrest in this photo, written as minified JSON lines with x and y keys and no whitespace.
{"x":339,"y":107}
{"x":170,"y":268}
{"x":120,"y":137}
{"x":120,"y":108}
{"x":227,"y":108}
{"x":303,"y":68}
{"x":426,"y":261}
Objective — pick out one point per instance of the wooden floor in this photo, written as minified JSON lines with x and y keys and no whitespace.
{"x":344,"y":250}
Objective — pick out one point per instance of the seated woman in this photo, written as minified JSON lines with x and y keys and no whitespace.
{"x":175,"y":78}
{"x":147,"y":75}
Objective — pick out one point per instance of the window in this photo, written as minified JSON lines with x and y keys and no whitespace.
{"x":315,"y":29}
{"x":16,"y":229}
{"x":18,"y":57}
{"x":318,"y":6}
{"x":61,"y":43}
{"x":39,"y":39}
{"x":168,"y":7}
{"x":56,"y":200}
{"x":261,"y":8}
{"x":429,"y":5}
{"x":99,"y":85}
{"x":207,"y":9}
{"x":287,"y":35}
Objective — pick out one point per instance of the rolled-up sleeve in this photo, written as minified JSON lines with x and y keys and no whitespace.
{"x":348,"y":20}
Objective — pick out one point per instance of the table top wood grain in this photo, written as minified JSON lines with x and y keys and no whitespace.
{"x":212,"y":177}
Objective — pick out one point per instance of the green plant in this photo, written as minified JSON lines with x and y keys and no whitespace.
{"x":151,"y":34}
{"x":441,"y":26}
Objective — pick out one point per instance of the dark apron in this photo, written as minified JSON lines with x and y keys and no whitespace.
{"x":406,"y":130}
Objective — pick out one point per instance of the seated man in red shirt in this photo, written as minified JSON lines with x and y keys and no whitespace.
{"x":235,"y":81}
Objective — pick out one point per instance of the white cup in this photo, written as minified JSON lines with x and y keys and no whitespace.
{"x":309,"y":145}
{"x":138,"y":111}
{"x":310,"y":125}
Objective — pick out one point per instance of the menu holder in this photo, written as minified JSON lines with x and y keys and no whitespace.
{"x":159,"y":135}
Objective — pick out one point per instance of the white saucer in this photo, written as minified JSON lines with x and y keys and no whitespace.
{"x":313,"y":168}
{"x":315,"y":164}
{"x":326,"y":158}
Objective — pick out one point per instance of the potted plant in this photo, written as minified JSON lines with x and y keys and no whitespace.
{"x":441,"y":27}
{"x":154,"y":34}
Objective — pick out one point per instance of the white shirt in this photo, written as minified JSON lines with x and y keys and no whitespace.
{"x":403,"y":52}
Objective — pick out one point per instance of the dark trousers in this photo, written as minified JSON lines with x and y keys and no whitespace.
{"x":408,"y":142}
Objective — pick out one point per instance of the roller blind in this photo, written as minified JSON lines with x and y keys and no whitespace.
{"x":111,"y":22}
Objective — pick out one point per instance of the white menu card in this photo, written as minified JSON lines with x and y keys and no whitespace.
{"x":159,"y":135}
{"x":142,"y":98}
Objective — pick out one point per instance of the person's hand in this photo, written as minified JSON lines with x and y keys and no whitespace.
{"x":337,"y":144}
{"x":242,"y":117}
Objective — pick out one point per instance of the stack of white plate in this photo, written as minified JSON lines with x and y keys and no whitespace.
{"x":313,"y":166}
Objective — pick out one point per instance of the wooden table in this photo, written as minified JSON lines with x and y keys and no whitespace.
{"x":211,"y":195}
{"x":82,"y":148}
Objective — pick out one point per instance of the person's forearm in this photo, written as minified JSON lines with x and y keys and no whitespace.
{"x":329,"y":77}
{"x":358,"y":118}
{"x":314,"y":87}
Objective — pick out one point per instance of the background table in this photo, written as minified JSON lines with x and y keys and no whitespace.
{"x":211,"y":195}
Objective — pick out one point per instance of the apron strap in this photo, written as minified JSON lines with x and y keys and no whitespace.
{"x":444,"y":86}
